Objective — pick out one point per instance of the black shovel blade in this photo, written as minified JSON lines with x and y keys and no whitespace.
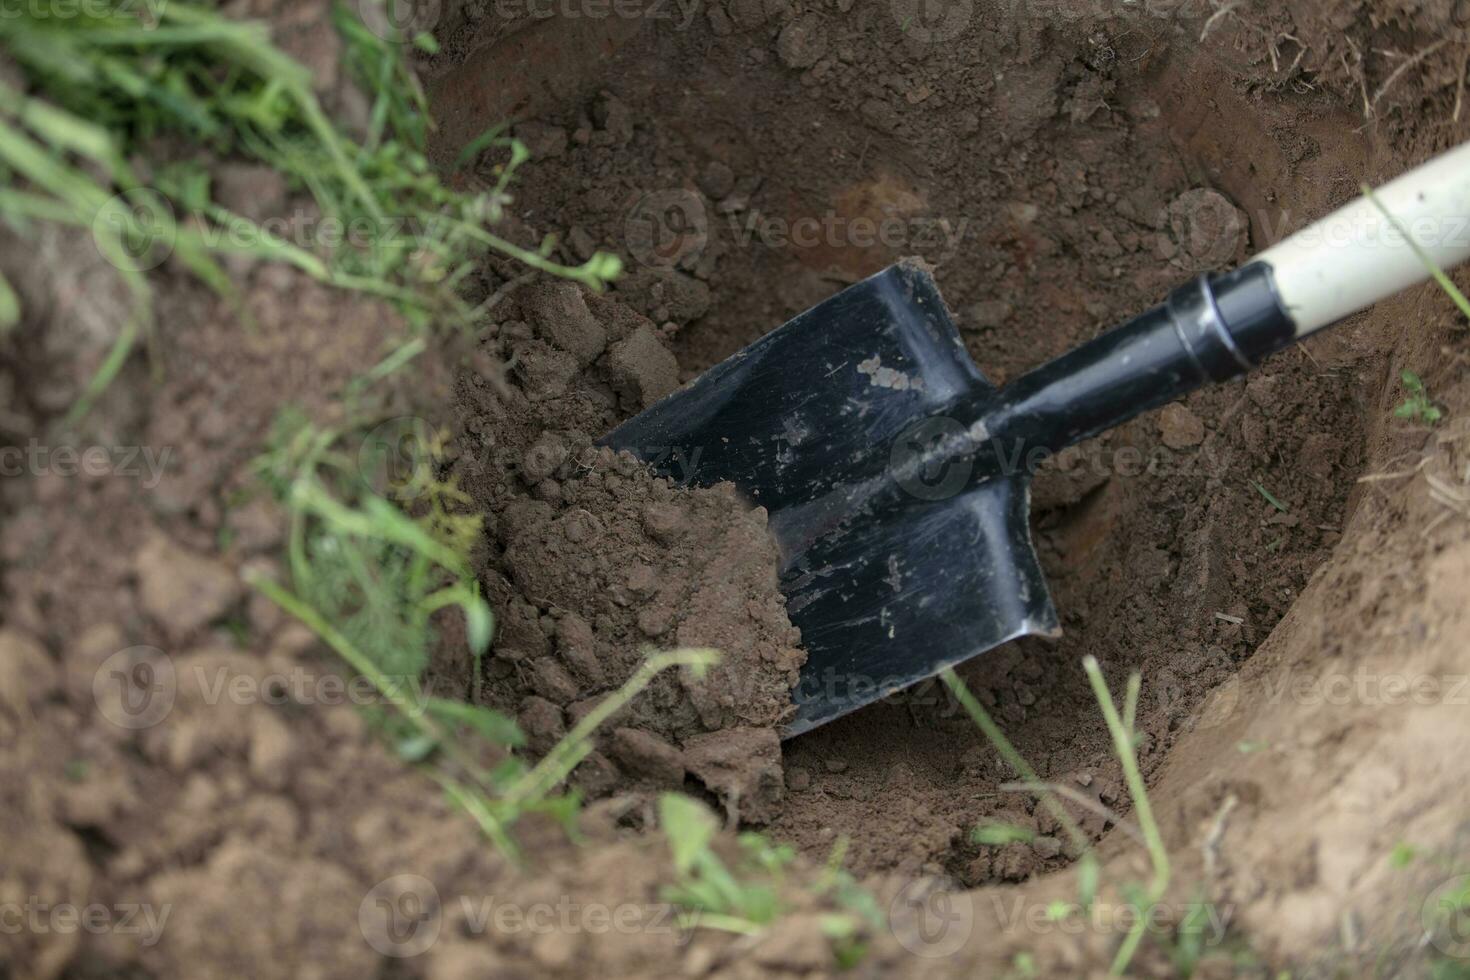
{"x":891,"y":571}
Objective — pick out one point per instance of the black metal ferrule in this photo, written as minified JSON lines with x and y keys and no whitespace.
{"x":1209,"y":330}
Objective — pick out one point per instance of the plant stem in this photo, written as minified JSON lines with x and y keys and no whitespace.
{"x":566,"y":754}
{"x":1014,"y":759}
{"x":1158,"y":854}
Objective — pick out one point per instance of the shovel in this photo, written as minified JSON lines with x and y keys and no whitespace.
{"x":897,"y":478}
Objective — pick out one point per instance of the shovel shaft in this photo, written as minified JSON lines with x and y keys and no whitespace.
{"x":1207,"y":331}
{"x":1218,"y":327}
{"x":1374,"y":247}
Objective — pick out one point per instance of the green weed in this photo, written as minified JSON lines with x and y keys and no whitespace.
{"x":1270,"y":497}
{"x":1125,"y":744}
{"x":1450,"y":289}
{"x":368,"y":576}
{"x":1087,"y":867}
{"x":1402,"y":855}
{"x":116,"y":83}
{"x":1001,"y":834}
{"x":745,"y":899}
{"x":1125,"y":739}
{"x":704,"y":885}
{"x":1416,"y":406}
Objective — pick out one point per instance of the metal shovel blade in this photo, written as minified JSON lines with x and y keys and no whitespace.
{"x":892,"y":571}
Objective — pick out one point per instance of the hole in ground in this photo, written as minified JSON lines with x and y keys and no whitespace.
{"x":1060,"y":180}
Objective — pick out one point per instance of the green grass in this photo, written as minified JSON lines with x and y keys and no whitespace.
{"x":747,"y":897}
{"x":1438,"y":274}
{"x":716,"y":897}
{"x":116,"y":86}
{"x":369,"y":574}
{"x":1123,"y":732}
{"x":1270,"y":497}
{"x":1087,"y":861}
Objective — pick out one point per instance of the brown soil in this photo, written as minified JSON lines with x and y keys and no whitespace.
{"x":1040,"y":200}
{"x":1060,"y":169}
{"x":595,"y":560}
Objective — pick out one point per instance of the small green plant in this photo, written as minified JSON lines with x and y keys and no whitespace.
{"x":1087,"y":867}
{"x":1189,"y":941}
{"x":745,"y":899}
{"x":1023,"y":966}
{"x":1125,"y":747}
{"x":1001,"y":834}
{"x":1416,"y":406}
{"x":359,"y":560}
{"x":860,"y":910}
{"x":1402,"y":855}
{"x":1122,"y":729}
{"x":705,"y":886}
{"x":1269,"y":497}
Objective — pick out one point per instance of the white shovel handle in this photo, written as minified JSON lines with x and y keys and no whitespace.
{"x":1356,"y":256}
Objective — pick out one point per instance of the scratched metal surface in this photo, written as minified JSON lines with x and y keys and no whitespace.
{"x":898,"y":559}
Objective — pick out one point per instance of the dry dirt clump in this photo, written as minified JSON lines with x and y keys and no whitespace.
{"x":595,"y":560}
